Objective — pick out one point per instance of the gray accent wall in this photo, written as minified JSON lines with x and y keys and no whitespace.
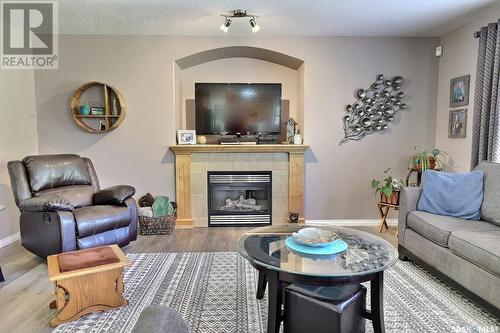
{"x":142,"y":68}
{"x":459,"y":58}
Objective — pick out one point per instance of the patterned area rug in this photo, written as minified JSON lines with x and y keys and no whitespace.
{"x":215,"y":292}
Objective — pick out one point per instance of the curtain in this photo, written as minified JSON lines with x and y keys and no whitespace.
{"x":486,"y":120}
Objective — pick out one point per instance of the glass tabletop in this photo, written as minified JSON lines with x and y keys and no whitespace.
{"x":366,"y":253}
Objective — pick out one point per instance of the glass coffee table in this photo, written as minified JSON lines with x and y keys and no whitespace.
{"x":365,"y":259}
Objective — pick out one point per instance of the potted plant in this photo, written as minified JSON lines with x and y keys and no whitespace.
{"x":427,"y":160}
{"x":388,"y":188}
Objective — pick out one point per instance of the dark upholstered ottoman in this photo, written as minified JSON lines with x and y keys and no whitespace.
{"x":160,"y":319}
{"x":325,"y":309}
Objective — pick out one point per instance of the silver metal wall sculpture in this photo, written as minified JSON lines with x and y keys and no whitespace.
{"x":374,"y":108}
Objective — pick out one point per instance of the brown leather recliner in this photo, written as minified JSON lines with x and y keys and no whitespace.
{"x":62,"y":206}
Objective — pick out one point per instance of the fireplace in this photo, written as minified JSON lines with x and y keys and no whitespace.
{"x":239,"y":198}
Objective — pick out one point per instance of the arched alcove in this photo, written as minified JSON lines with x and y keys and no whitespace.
{"x":232,"y":52}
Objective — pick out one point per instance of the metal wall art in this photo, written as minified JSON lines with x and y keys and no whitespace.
{"x":374,"y":108}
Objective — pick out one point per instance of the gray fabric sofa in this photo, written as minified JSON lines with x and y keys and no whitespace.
{"x":464,"y":253}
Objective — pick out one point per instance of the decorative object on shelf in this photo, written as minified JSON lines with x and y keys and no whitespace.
{"x":92,"y":121}
{"x":374,"y":108}
{"x":457,"y":126}
{"x":201,"y":139}
{"x":97,"y":110}
{"x":389,"y":190}
{"x":84,"y":109}
{"x":239,"y":14}
{"x":294,"y":217}
{"x":459,"y":91}
{"x":186,"y":137}
{"x":291,"y":128}
{"x":297,"y":138}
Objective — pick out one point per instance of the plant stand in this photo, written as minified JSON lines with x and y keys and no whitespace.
{"x":384,"y":206}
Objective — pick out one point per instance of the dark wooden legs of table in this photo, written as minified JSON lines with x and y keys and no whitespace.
{"x":1,"y":275}
{"x":261,"y":285}
{"x":275,"y":296}
{"x":377,"y":302}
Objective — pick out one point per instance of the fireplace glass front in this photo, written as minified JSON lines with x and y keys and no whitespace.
{"x":239,"y":198}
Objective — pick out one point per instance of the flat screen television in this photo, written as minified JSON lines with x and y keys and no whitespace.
{"x":238,"y":108}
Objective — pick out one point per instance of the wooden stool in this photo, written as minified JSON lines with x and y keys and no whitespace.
{"x":87,"y":281}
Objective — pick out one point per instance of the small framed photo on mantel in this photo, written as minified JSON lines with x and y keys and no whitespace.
{"x":186,"y":137}
{"x":457,"y":126}
{"x":459,"y":91}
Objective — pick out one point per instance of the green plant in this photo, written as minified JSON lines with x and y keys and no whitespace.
{"x":388,"y":185}
{"x":423,"y":160}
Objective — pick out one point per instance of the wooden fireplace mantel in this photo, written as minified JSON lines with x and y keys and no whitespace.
{"x":183,"y":173}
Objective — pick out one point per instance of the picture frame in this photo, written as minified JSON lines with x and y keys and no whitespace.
{"x":457,"y":123}
{"x":186,"y":137}
{"x":459,"y":91}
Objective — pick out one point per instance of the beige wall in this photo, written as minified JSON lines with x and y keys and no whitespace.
{"x":18,"y":136}
{"x":142,"y":68}
{"x":459,"y":58}
{"x":241,"y":70}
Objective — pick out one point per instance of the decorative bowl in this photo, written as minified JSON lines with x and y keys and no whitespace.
{"x":314,"y":237}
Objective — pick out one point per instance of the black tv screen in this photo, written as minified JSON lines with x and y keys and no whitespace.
{"x":238,"y":108}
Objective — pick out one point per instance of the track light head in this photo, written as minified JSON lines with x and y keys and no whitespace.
{"x":254,"y":25}
{"x":225,"y":26}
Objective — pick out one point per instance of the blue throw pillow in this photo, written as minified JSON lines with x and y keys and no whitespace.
{"x":452,"y":194}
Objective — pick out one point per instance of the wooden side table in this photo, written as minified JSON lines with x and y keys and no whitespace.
{"x":87,"y":281}
{"x":383,"y":209}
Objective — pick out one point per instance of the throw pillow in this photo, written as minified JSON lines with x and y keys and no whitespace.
{"x":452,"y":194}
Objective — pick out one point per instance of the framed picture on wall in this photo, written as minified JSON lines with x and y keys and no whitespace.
{"x":459,"y":91}
{"x":186,"y":137}
{"x":457,"y":126}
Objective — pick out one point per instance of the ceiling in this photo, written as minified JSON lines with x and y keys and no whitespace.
{"x":277,"y":17}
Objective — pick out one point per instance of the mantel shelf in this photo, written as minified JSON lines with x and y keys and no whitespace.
{"x":210,"y":148}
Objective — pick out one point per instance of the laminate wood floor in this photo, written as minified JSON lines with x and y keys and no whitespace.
{"x":27,"y":292}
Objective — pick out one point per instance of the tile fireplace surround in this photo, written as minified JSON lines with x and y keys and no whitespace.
{"x":192,"y":162}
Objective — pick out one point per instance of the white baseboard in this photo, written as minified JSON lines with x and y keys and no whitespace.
{"x":353,"y":223}
{"x":9,"y":239}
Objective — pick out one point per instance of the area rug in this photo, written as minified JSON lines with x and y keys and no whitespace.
{"x":215,"y":292}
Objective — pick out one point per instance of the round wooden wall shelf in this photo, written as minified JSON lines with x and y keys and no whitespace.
{"x":106,"y":114}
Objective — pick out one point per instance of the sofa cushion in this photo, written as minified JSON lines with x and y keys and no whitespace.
{"x":49,"y":171}
{"x":96,"y":219}
{"x":479,"y":247}
{"x":490,"y":209}
{"x":77,"y":196}
{"x":452,"y":194}
{"x":438,"y":228}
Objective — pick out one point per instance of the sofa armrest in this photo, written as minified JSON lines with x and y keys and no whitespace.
{"x":45,"y":203}
{"x":132,"y":206}
{"x":114,"y":195}
{"x":408,"y":200}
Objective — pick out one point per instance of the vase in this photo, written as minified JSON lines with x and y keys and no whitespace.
{"x":84,"y":110}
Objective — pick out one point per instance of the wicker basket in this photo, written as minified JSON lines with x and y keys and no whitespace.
{"x":163,"y":225}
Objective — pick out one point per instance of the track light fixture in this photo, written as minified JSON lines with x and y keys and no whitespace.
{"x":238,"y":13}
{"x":225,"y":26}
{"x":254,"y":25}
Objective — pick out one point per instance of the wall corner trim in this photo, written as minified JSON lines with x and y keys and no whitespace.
{"x":9,"y":239}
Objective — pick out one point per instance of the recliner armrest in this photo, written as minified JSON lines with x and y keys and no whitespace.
{"x":114,"y":195}
{"x":408,"y":200}
{"x":45,"y":203}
